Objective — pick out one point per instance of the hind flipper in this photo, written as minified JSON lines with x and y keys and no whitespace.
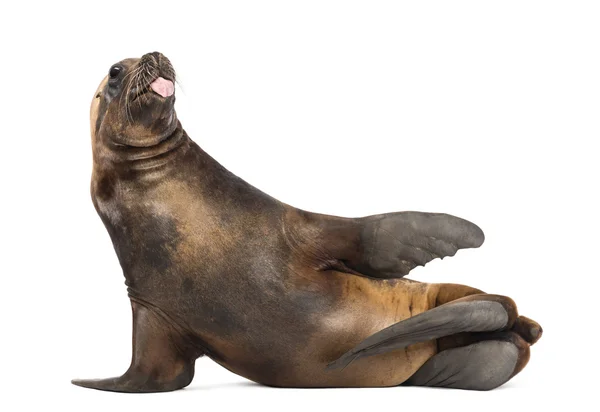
{"x":482,"y":365}
{"x":475,"y":313}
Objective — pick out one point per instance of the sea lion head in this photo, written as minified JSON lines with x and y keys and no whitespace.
{"x":134,"y":104}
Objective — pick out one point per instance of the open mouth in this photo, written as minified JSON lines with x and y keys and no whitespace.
{"x":163,"y":87}
{"x":160,"y":86}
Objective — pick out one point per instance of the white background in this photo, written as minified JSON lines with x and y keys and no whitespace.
{"x":486,"y":110}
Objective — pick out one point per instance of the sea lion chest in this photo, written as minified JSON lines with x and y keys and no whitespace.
{"x":221,"y":266}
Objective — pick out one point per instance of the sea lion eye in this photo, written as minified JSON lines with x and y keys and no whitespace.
{"x":114,"y":71}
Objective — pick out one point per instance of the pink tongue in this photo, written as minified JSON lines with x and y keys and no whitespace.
{"x":163,"y":87}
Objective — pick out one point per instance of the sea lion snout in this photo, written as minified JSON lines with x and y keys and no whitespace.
{"x":158,"y":65}
{"x":161,"y":72}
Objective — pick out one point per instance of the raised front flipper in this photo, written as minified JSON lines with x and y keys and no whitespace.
{"x":393,"y":244}
{"x":475,"y":313}
{"x":383,"y":246}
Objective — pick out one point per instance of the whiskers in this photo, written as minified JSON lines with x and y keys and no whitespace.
{"x":131,"y":81}
{"x":179,"y":83}
{"x":137,"y":83}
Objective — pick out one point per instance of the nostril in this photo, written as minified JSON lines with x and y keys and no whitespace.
{"x":151,"y":57}
{"x":158,"y":65}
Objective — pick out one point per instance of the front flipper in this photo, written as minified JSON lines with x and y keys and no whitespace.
{"x":475,"y":313}
{"x":393,"y":244}
{"x":160,"y":362}
{"x":383,"y":246}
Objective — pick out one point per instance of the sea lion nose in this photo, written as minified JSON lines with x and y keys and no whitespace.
{"x":158,"y":61}
{"x":157,"y":56}
{"x":153,"y":57}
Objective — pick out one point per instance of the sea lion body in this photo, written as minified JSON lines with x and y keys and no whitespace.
{"x":229,"y":274}
{"x":215,"y":267}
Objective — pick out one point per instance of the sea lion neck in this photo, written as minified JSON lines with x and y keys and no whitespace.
{"x":123,"y":158}
{"x":138,"y":136}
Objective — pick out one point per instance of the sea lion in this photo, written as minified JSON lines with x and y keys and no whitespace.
{"x":279,"y":295}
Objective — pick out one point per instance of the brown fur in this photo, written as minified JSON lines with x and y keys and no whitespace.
{"x":214,"y":266}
